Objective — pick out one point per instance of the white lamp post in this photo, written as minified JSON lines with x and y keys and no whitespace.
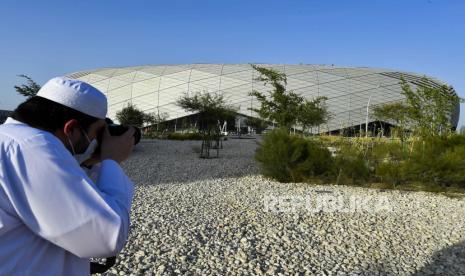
{"x":368,"y":111}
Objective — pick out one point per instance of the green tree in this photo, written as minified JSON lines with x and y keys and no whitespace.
{"x":130,"y":115}
{"x":155,"y":118}
{"x":287,"y":108}
{"x":211,"y":109}
{"x":397,"y":113}
{"x":313,"y":113}
{"x":29,"y":89}
{"x":430,"y":108}
{"x":427,"y":110}
{"x":281,"y":106}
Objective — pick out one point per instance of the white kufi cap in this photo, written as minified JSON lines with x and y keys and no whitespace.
{"x":77,"y":95}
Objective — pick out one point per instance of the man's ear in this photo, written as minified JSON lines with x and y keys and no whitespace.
{"x":69,"y":126}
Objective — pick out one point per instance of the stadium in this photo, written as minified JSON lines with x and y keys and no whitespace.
{"x":351,"y":92}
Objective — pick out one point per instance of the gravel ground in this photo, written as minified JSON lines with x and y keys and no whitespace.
{"x":218,"y":216}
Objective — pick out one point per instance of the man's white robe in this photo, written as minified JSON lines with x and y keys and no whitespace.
{"x":53,"y":217}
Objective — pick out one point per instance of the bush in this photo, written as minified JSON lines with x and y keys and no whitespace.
{"x":387,"y":162}
{"x":350,"y":166}
{"x":439,"y":160}
{"x":432,"y":164}
{"x":433,"y":160}
{"x":287,"y":158}
{"x":391,"y":172}
{"x":449,"y":168}
{"x":150,"y":135}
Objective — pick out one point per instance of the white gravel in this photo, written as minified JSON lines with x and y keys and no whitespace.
{"x":208,"y":216}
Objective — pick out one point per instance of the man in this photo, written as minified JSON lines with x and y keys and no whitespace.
{"x":53,"y":217}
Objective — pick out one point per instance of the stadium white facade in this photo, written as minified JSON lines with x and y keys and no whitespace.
{"x":156,"y":88}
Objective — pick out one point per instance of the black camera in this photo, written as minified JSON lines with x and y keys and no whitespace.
{"x":117,"y":130}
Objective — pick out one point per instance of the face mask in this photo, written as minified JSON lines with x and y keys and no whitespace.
{"x":81,"y":157}
{"x":88,"y":153}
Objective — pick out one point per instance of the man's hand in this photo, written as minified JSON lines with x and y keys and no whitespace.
{"x":94,"y":159}
{"x":117,"y":148}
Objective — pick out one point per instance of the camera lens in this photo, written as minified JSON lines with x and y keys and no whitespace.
{"x":118,"y":130}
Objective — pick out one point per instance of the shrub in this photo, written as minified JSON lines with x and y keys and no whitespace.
{"x":150,"y":135}
{"x":432,"y":164}
{"x":387,"y":151}
{"x":391,"y":172}
{"x":449,"y":169}
{"x":439,"y":160}
{"x":386,"y":160}
{"x":287,"y":158}
{"x":350,"y":166}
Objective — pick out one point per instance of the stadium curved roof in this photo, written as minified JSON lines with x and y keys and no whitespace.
{"x":155,"y":88}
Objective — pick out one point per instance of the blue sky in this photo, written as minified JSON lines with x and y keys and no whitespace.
{"x":44,"y":39}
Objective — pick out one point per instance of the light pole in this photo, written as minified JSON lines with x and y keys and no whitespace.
{"x":366,"y":119}
{"x":368,"y":111}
